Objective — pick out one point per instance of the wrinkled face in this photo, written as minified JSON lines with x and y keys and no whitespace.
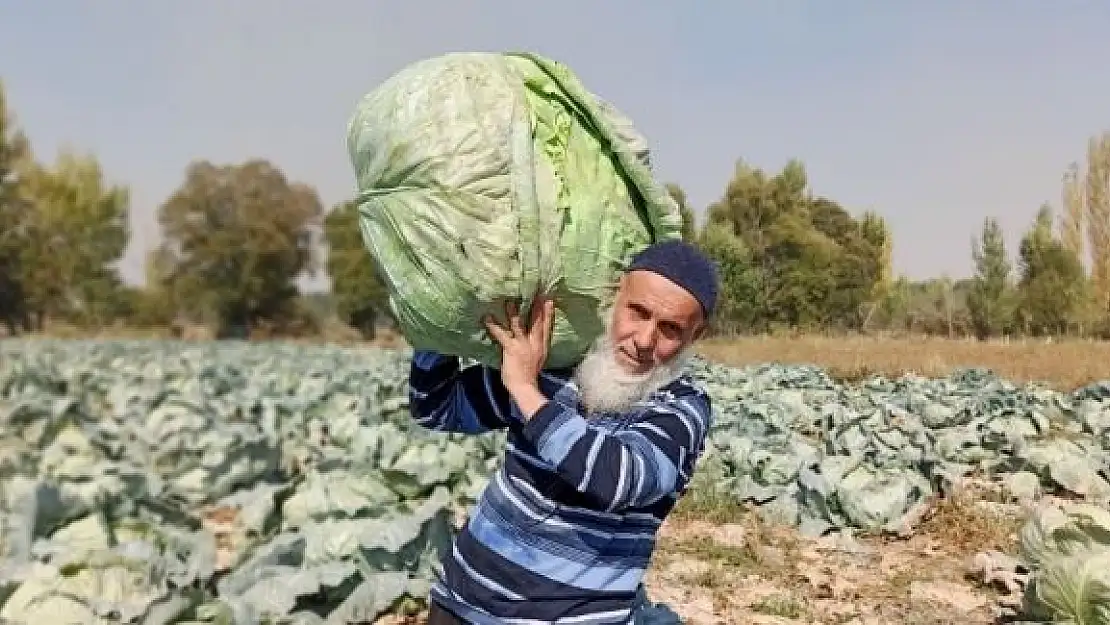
{"x":654,"y":320}
{"x":649,"y":332}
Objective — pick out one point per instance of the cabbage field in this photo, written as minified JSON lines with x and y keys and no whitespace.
{"x":163,"y":482}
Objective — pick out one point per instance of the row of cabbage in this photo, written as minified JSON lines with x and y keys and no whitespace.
{"x":163,"y":482}
{"x":219,"y":483}
{"x":875,"y":456}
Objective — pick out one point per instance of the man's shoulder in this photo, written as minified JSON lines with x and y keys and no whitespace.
{"x":685,"y":388}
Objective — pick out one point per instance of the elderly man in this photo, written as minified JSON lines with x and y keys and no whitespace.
{"x":596,"y":456}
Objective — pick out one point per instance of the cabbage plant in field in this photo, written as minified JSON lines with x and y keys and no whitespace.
{"x":162,"y":482}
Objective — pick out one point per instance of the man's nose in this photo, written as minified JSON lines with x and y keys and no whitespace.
{"x":645,"y":338}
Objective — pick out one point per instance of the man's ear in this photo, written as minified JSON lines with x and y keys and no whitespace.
{"x":700,"y":330}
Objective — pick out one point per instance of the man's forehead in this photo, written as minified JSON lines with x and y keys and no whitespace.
{"x":652,"y":286}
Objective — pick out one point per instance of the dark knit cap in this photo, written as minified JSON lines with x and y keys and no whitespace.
{"x":685,"y":265}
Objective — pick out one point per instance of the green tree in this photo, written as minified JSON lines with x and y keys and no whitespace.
{"x":893,"y":310}
{"x":1073,"y":218}
{"x":815,"y":266}
{"x":78,"y":233}
{"x":990,"y":301}
{"x":153,"y":304}
{"x":689,"y":226}
{"x":1053,"y":287}
{"x":738,"y":308}
{"x":360,"y":297}
{"x":14,"y":213}
{"x":800,"y":277}
{"x":859,"y":261}
{"x":876,"y":239}
{"x":1096,"y":193}
{"x":235,"y":240}
{"x":753,"y":205}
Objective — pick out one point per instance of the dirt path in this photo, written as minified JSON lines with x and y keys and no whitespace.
{"x":716,"y":567}
{"x":747,"y":572}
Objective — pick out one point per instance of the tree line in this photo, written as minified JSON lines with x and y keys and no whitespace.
{"x":236,"y":238}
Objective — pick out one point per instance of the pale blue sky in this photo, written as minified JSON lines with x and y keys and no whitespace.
{"x":935,"y":113}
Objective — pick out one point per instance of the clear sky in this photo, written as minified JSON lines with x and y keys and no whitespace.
{"x":936,"y":114}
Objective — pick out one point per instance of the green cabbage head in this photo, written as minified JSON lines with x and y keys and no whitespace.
{"x":489,"y":177}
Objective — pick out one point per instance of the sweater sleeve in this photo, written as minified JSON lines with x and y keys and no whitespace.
{"x":633,"y":467}
{"x":448,"y":398}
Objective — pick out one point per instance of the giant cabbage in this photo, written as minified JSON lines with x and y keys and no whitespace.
{"x":486,"y":177}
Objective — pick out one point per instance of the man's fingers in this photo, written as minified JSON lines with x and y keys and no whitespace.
{"x":538,"y":332}
{"x":548,"y":323}
{"x":514,"y":320}
{"x":537,"y":312}
{"x":543,"y":320}
{"x":495,"y":330}
{"x":548,"y":319}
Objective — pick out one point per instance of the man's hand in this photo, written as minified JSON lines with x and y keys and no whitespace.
{"x":524,"y":351}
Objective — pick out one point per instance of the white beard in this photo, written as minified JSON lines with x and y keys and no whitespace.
{"x":605,"y":386}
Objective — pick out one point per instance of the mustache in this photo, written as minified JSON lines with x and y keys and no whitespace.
{"x":607,"y":386}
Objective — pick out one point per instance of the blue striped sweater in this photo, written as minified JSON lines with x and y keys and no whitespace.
{"x":566,"y":527}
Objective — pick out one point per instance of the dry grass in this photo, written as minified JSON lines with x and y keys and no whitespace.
{"x":747,"y":571}
{"x":69,"y":332}
{"x":1064,"y":365}
{"x":966,"y":523}
{"x":331,"y":333}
